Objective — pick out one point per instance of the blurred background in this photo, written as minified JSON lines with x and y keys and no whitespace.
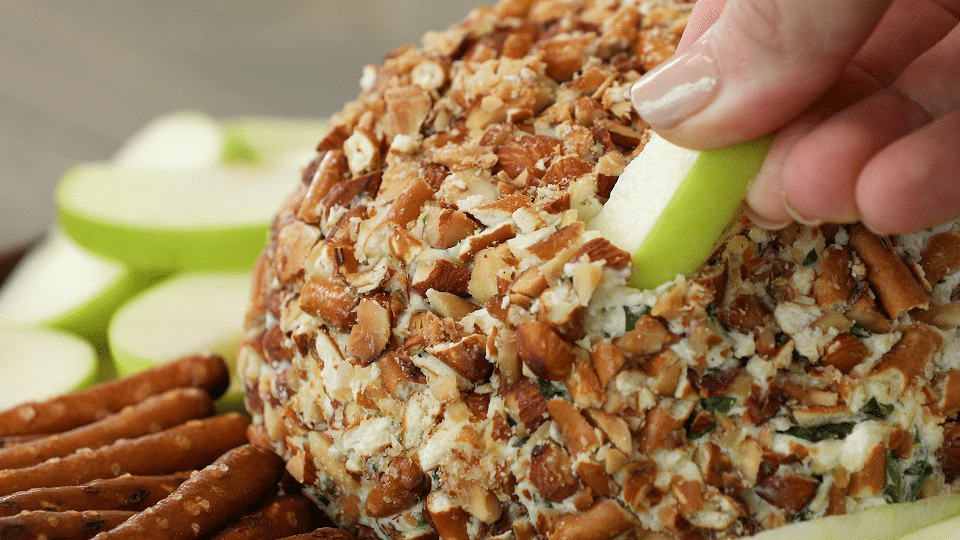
{"x":78,"y":78}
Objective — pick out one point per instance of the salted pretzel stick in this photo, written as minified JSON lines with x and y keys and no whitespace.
{"x":191,"y":445}
{"x":68,"y":411}
{"x":282,"y":515}
{"x":69,"y":525}
{"x":13,"y":440}
{"x":209,"y":500}
{"x":323,"y":533}
{"x":156,"y":413}
{"x":125,"y":492}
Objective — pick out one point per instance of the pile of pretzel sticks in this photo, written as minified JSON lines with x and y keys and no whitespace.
{"x":146,"y":456}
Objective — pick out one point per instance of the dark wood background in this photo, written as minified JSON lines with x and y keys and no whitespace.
{"x":79,"y":77}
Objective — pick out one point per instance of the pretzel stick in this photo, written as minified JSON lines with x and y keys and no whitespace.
{"x":282,"y":515}
{"x":13,"y":440}
{"x":68,"y":411}
{"x":191,"y":445}
{"x":323,"y":533}
{"x":209,"y":500}
{"x":156,"y":413}
{"x":126,"y":492}
{"x":69,"y":525}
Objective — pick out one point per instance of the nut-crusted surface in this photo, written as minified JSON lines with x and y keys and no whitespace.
{"x":438,"y":344}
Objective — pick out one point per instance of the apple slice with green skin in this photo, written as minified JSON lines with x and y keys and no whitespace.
{"x":671,"y":205}
{"x":886,"y":522}
{"x":61,"y":285}
{"x":178,"y":141}
{"x":185,"y":314}
{"x":273,"y":142}
{"x":165,"y":221}
{"x":39,"y":363}
{"x":949,"y":528}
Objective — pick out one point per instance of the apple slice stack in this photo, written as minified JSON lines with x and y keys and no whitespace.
{"x":151,"y":254}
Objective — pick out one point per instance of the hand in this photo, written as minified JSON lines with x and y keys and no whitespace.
{"x":865,"y":95}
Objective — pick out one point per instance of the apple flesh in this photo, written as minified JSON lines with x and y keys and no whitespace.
{"x":38,"y":363}
{"x":186,"y":314}
{"x":949,"y":528}
{"x":887,"y":522}
{"x":61,"y":285}
{"x":177,"y":141}
{"x":188,"y":193}
{"x":164,"y":221}
{"x":271,"y":142}
{"x":671,"y":205}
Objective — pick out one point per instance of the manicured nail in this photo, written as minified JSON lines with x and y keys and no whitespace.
{"x":763,"y":222}
{"x":678,"y":88}
{"x":800,"y":218}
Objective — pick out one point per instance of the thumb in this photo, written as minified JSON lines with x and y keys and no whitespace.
{"x":759,"y":65}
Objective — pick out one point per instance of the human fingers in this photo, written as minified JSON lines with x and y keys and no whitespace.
{"x":704,"y":14}
{"x":907,"y":187}
{"x":758,"y":66}
{"x":764,"y":201}
{"x":821,"y":172}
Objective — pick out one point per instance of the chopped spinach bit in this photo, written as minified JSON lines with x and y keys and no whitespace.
{"x":721,"y":404}
{"x":811,"y":258}
{"x":916,"y":437}
{"x":421,"y":520}
{"x":877,"y":410}
{"x":905,"y":485}
{"x":822,"y":432}
{"x":803,"y":515}
{"x":860,"y":332}
{"x":510,"y":421}
{"x":521,"y":441}
{"x":549,"y":389}
{"x":632,"y":318}
{"x":712,"y":311}
{"x":694,"y":435}
{"x":781,"y":339}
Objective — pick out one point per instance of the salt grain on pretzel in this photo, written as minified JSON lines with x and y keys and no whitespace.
{"x":61,"y":413}
{"x":280,"y":516}
{"x":149,"y":416}
{"x":127,"y":492}
{"x":209,"y":500}
{"x":68,"y":525}
{"x":191,"y":445}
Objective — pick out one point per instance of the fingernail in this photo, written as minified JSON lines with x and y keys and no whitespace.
{"x":763,"y":222}
{"x":800,"y":218}
{"x":678,"y":88}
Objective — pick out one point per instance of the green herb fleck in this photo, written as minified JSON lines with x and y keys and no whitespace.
{"x":421,"y":520}
{"x":803,"y":515}
{"x":916,"y":437}
{"x":550,"y":390}
{"x":712,"y":311}
{"x":521,"y":441}
{"x":632,"y":318}
{"x":510,"y":421}
{"x":781,"y":339}
{"x":811,"y":258}
{"x":694,"y":435}
{"x":860,"y":331}
{"x":877,"y":410}
{"x":822,"y":432}
{"x":721,"y":404}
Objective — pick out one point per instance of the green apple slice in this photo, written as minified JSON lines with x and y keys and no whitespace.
{"x":671,"y":205}
{"x":179,"y":141}
{"x":949,"y":528}
{"x":886,"y":522}
{"x":168,"y":221}
{"x":186,"y":314}
{"x":59,"y":284}
{"x":39,"y":363}
{"x":273,"y":142}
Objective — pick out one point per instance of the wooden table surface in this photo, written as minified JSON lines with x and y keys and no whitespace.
{"x":79,"y":77}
